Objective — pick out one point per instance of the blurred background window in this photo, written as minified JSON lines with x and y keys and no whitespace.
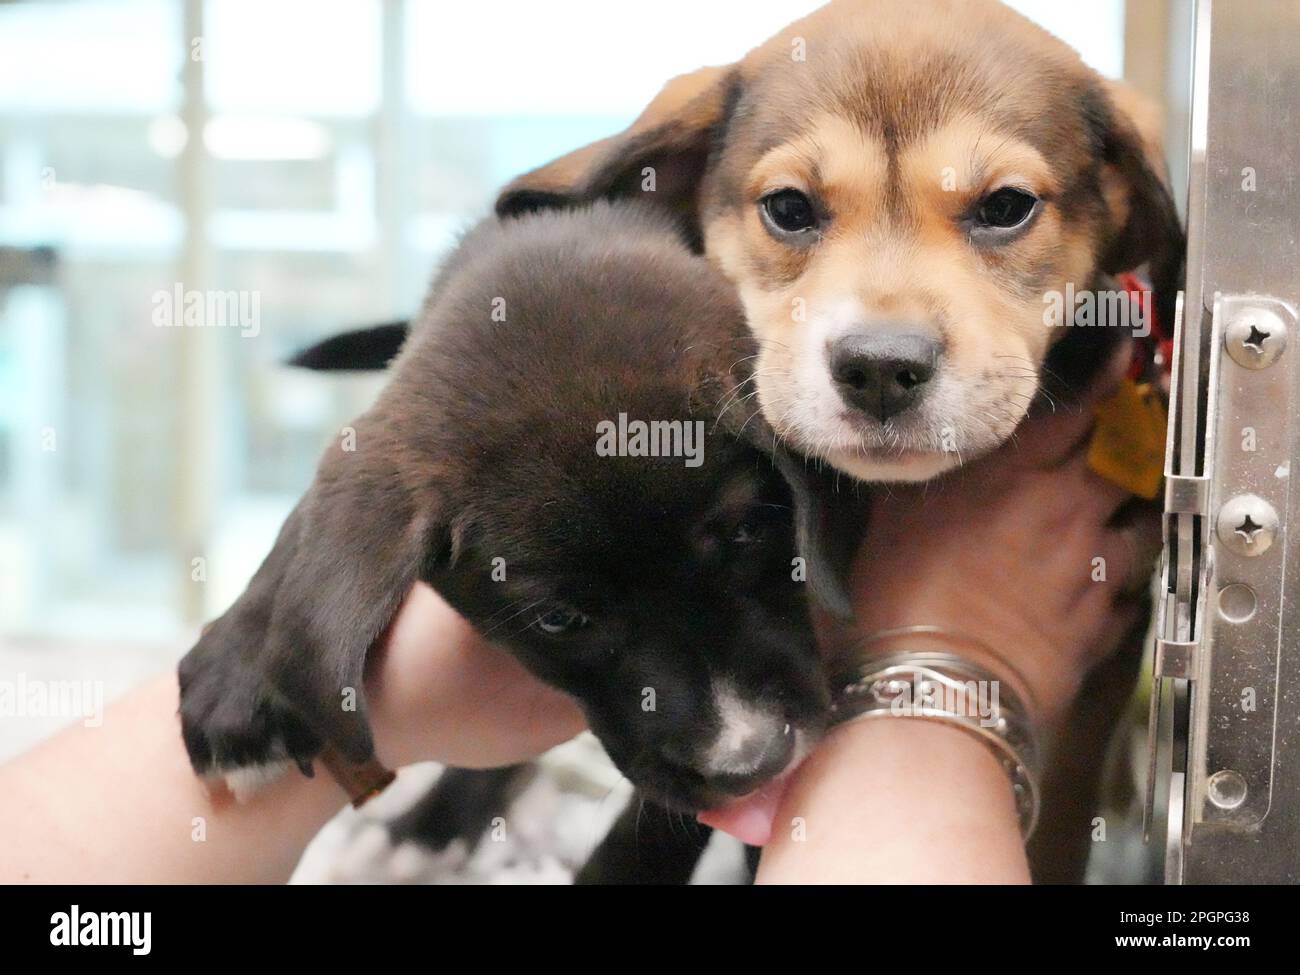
{"x":306,"y":162}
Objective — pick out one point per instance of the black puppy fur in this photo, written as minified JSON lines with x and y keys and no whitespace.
{"x":647,"y":844}
{"x":483,"y":448}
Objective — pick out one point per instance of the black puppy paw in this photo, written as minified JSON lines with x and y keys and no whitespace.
{"x":235,"y":725}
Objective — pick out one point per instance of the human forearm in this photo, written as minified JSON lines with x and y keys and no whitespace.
{"x":897,"y":800}
{"x":120,"y":804}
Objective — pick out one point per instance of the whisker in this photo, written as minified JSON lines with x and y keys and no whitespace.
{"x":497,"y":626}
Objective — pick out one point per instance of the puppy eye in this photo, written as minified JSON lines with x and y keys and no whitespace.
{"x":760,"y":523}
{"x":748,"y":532}
{"x":789,"y":211}
{"x":1006,"y":208}
{"x":561,"y":619}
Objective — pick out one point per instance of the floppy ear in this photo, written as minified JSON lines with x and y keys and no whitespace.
{"x":829,"y":515}
{"x":279,"y":675}
{"x":665,"y":148}
{"x":1144,"y":220}
{"x":829,"y":520}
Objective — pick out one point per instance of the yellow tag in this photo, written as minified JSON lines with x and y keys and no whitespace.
{"x":1128,"y":444}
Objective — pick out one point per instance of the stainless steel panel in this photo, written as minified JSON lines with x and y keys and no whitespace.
{"x":1241,"y":806}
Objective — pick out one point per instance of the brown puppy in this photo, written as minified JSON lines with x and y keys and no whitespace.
{"x":900,"y":192}
{"x":650,"y":573}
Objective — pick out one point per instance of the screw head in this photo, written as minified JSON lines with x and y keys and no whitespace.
{"x":1226,"y":788}
{"x":1247,"y":525}
{"x":1255,"y":337}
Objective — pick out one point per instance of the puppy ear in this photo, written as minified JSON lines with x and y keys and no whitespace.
{"x":828,"y":521}
{"x":669,"y":143}
{"x":829,"y":516}
{"x":279,"y":675}
{"x":1144,"y":220}
{"x":361,"y":349}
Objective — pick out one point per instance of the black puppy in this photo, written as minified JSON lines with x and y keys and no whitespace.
{"x":559,"y":454}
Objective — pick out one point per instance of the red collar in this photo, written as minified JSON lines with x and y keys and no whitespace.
{"x":1154,"y":351}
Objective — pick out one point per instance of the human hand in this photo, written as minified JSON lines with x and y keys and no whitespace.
{"x":1001,"y":552}
{"x":438,"y":691}
{"x":1018,"y":551}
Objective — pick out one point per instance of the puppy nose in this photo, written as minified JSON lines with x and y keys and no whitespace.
{"x":759,"y":758}
{"x":883,"y":373}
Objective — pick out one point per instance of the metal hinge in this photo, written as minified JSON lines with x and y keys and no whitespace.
{"x":1216,"y":633}
{"x":1186,"y":495}
{"x":1176,"y":658}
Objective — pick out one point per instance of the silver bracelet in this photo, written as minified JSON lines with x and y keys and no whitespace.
{"x":941,"y":686}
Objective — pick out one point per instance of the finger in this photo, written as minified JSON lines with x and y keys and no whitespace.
{"x":1120,"y":620}
{"x":1142,"y":525}
{"x":1098,"y":496}
{"x":1129,"y":556}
